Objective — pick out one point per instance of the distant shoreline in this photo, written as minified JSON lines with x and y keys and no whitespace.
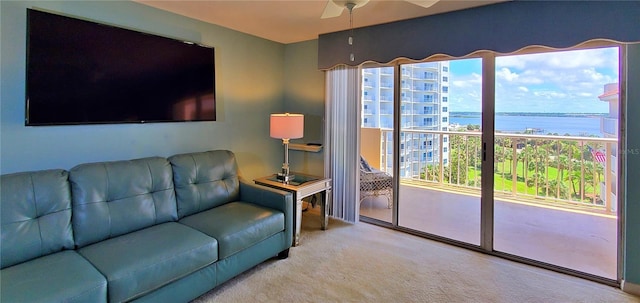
{"x":476,"y":114}
{"x":546,"y":123}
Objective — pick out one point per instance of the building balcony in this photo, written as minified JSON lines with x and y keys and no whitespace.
{"x":575,"y":239}
{"x":548,"y":169}
{"x":554,"y":201}
{"x":425,"y":89}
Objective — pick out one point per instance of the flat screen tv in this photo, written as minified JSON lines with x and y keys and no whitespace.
{"x":82,"y":72}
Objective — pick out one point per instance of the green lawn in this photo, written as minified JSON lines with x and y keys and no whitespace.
{"x":504,"y":183}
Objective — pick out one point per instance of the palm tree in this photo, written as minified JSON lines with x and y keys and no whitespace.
{"x":456,"y":171}
{"x":526,"y":154}
{"x":508,"y":156}
{"x":431,"y":173}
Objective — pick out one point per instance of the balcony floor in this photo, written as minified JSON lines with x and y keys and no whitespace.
{"x":575,"y":239}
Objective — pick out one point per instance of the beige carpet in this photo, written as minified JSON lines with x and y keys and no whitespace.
{"x":366,"y":263}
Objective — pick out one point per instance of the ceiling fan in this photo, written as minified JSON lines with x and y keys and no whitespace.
{"x":335,"y":8}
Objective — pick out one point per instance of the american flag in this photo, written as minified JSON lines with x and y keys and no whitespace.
{"x":598,"y":156}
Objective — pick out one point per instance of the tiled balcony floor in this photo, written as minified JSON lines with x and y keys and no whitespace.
{"x":574,"y":239}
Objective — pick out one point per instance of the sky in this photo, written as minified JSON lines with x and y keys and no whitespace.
{"x":557,"y":82}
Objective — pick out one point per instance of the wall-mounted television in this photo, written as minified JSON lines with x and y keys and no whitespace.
{"x":83,"y":72}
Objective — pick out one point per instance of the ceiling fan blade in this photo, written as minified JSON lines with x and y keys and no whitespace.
{"x":332,"y":10}
{"x":423,"y":3}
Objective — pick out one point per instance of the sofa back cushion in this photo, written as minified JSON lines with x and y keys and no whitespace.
{"x":36,"y":215}
{"x":204,"y":180}
{"x":115,"y":198}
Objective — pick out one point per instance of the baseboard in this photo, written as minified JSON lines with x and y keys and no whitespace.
{"x":631,"y":288}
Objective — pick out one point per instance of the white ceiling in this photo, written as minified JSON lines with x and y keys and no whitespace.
{"x":289,"y":21}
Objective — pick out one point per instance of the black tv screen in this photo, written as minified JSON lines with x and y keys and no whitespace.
{"x":82,"y":72}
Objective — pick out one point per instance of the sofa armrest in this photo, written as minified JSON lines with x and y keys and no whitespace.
{"x":272,"y":198}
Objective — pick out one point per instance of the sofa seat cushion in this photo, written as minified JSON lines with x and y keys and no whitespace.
{"x":145,"y":260}
{"x":237,"y":225}
{"x":61,"y":277}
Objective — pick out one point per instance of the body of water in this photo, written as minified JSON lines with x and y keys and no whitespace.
{"x":575,"y":125}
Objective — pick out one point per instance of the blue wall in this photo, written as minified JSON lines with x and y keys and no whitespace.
{"x":249,"y":86}
{"x":632,"y":168}
{"x":304,"y":93}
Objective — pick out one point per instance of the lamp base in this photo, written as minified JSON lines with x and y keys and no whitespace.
{"x":285,"y":178}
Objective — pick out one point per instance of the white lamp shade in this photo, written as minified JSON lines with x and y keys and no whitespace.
{"x":286,"y":126}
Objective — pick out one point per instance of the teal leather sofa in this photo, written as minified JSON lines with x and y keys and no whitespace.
{"x":143,"y":230}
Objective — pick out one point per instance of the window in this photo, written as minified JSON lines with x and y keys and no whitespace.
{"x":444,"y":119}
{"x":445,"y":79}
{"x":445,"y":89}
{"x":445,"y":109}
{"x":445,"y":139}
{"x":445,"y":99}
{"x":445,"y":68}
{"x":444,"y":129}
{"x":444,"y":149}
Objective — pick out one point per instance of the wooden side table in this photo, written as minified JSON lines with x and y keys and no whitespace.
{"x":302,"y":186}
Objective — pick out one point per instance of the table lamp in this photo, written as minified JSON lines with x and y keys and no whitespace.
{"x":286,"y":126}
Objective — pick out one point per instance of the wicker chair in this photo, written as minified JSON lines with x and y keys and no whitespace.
{"x":375,"y":183}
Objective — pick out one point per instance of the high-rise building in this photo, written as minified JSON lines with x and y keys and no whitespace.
{"x":424,"y":94}
{"x":609,"y":128}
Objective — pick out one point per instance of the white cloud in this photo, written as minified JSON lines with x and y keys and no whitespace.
{"x":549,"y":94}
{"x":466,"y":90}
{"x":598,"y":58}
{"x":559,"y":81}
{"x":460,"y":84}
{"x":510,"y":62}
{"x":593,"y":74}
{"x":506,"y":74}
{"x":549,"y":82}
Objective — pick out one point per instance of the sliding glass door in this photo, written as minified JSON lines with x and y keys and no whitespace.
{"x":438,"y":107}
{"x":513,"y":155}
{"x":555,"y":159}
{"x":376,"y":144}
{"x":440,"y":150}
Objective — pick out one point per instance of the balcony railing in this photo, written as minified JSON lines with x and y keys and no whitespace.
{"x":559,"y":170}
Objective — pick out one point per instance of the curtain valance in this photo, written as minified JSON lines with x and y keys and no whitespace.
{"x":503,"y":28}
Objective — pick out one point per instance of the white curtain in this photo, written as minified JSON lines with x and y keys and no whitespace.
{"x":342,"y":139}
